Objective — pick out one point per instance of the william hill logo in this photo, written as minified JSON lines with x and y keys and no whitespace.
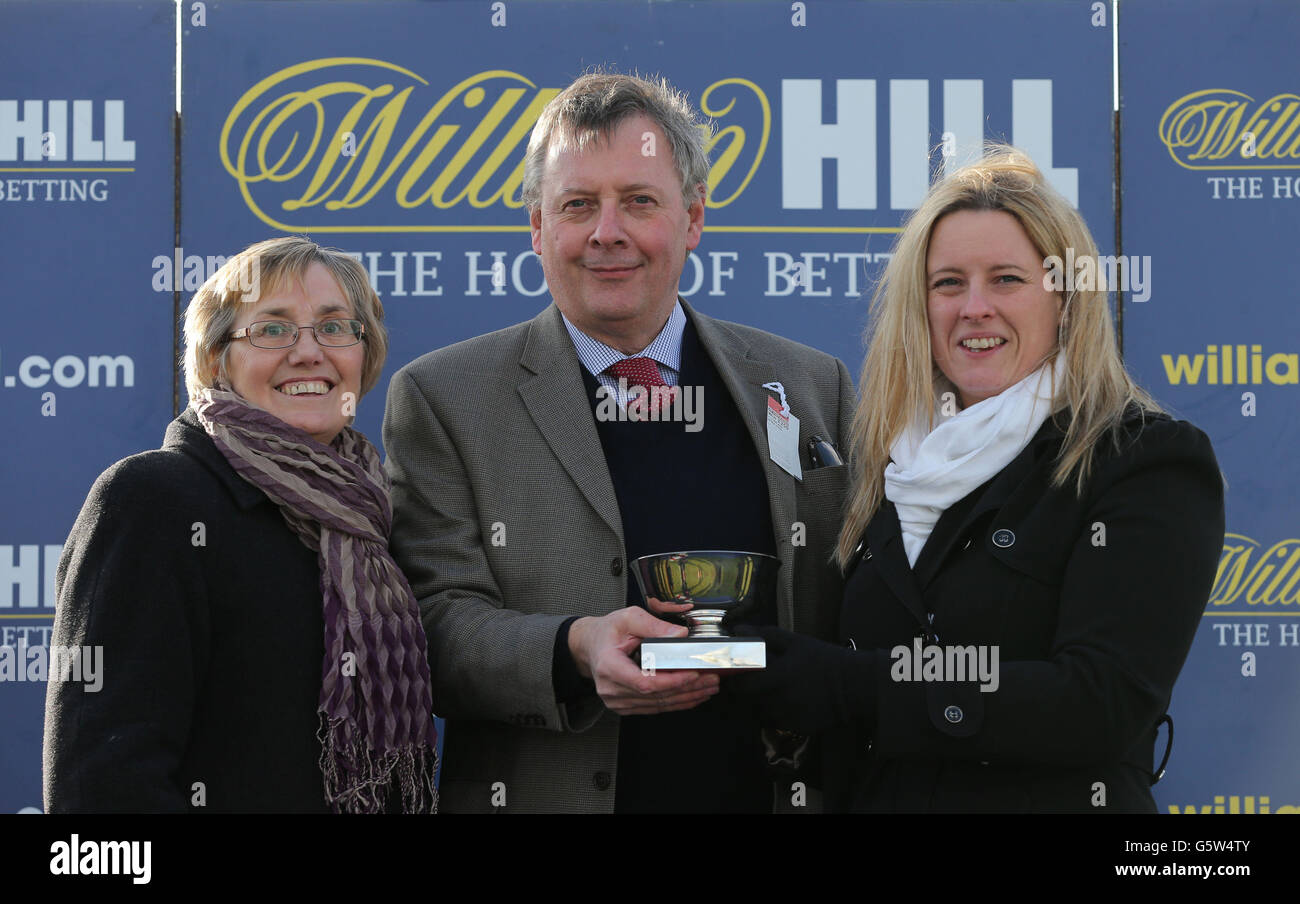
{"x":1236,"y":803}
{"x":1232,"y":365}
{"x":41,"y":128}
{"x":1250,"y":577}
{"x":351,"y":144}
{"x":1218,"y":129}
{"x":309,"y":144}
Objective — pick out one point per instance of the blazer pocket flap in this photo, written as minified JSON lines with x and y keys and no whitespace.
{"x":831,"y":479}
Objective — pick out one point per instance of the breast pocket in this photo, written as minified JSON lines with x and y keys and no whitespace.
{"x":1032,"y":559}
{"x":824,"y":481}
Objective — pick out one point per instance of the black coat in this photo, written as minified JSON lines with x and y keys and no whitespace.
{"x":1093,"y":603}
{"x":208,"y":609}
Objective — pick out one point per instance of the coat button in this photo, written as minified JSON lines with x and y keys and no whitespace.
{"x":953,"y":714}
{"x":1003,"y":538}
{"x":601,"y":781}
{"x":616,"y":567}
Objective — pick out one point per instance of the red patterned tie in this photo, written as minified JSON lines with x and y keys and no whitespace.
{"x":644,"y":372}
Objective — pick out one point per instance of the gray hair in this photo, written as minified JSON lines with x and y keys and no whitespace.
{"x":596,"y":104}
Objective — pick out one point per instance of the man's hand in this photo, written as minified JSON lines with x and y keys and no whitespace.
{"x":602,"y":647}
{"x":667,"y":607}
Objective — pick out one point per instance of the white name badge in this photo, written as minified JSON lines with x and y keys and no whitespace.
{"x":783,"y":439}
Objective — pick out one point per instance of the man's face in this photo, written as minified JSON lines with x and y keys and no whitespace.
{"x":613,"y":234}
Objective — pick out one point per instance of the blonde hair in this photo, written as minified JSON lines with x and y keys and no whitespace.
{"x":900,"y":381}
{"x":262,"y":269}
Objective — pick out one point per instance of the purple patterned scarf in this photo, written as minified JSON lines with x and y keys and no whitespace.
{"x":376,"y":702}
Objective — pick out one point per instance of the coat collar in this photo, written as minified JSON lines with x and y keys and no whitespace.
{"x":186,"y":435}
{"x":563,"y":416}
{"x":884,"y":534}
{"x":993,"y":495}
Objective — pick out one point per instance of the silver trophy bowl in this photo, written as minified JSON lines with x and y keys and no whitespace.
{"x":721,"y":586}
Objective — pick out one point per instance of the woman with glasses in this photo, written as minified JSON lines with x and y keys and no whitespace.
{"x":1030,"y":540}
{"x":261,"y":650}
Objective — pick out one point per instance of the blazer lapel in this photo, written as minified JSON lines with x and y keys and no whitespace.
{"x":744,"y":376}
{"x":554,"y":397}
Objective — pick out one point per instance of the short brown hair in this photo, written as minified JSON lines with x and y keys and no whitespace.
{"x":596,"y":104}
{"x":262,"y":268}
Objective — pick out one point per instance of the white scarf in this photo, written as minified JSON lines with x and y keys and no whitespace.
{"x":932,"y":469}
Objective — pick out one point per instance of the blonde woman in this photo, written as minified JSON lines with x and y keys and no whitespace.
{"x":1030,"y":540}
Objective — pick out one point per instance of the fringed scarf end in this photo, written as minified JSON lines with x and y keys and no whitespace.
{"x":356,"y":781}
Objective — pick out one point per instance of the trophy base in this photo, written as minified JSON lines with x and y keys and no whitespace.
{"x":695,"y":653}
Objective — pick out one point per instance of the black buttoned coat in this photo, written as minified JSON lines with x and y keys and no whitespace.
{"x":208,"y":610}
{"x":1092,"y":602}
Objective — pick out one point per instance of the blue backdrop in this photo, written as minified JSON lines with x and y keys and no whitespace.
{"x":1211,"y":158}
{"x":86,"y":167}
{"x":396,"y":131}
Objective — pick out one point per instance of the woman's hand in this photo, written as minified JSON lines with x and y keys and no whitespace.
{"x":809,"y":685}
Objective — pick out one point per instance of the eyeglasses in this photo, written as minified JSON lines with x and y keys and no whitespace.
{"x":334,"y":333}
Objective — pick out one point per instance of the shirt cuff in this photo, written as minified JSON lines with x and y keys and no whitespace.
{"x":568,"y":683}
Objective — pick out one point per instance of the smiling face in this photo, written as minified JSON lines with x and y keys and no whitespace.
{"x":613,"y":233}
{"x":304,"y":385}
{"x":991,"y":321}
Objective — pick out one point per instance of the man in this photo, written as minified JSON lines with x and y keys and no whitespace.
{"x":522,"y":492}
